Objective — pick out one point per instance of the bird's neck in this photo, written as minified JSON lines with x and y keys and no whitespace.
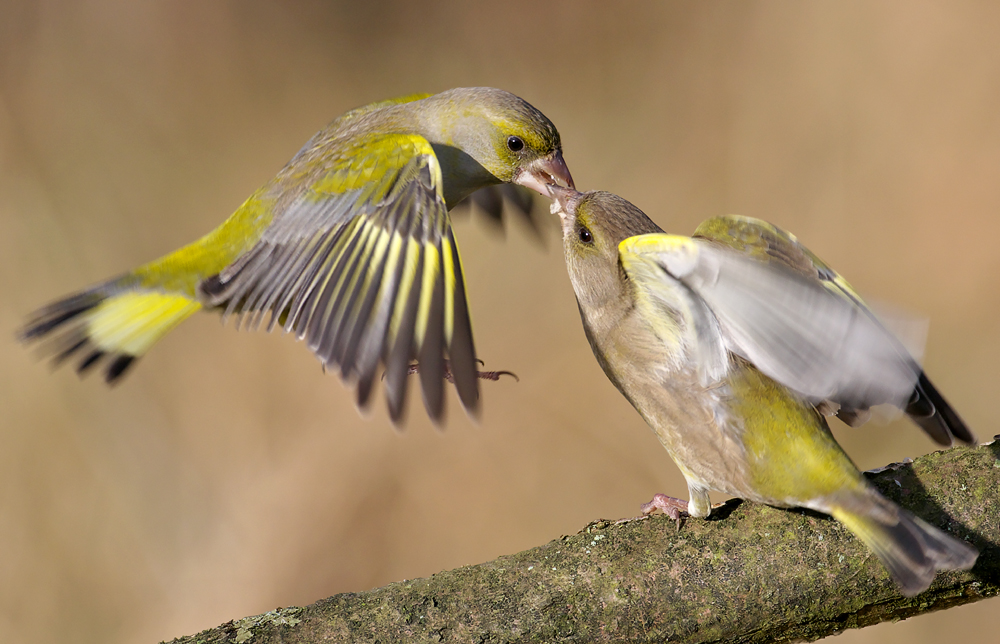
{"x":461,"y":174}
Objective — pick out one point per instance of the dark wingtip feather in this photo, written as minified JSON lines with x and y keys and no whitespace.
{"x":920,"y":404}
{"x":462,"y":352}
{"x":934,"y":427}
{"x":364,"y":391}
{"x":521,"y":198}
{"x":523,"y":202}
{"x":68,"y":347}
{"x":212,"y":287}
{"x":397,"y":365}
{"x":395,"y":393}
{"x":492,"y":201}
{"x":346,"y":347}
{"x":943,"y":424}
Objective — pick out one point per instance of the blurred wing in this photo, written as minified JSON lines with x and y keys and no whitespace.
{"x":363,"y":265}
{"x":792,"y":328}
{"x":492,"y":201}
{"x":762,"y":241}
{"x":672,"y":309}
{"x":768,"y":243}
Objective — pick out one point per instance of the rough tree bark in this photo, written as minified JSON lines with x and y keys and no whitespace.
{"x":750,"y":574}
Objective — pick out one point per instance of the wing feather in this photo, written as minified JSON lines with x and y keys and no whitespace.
{"x":676,"y":312}
{"x":790,"y":327}
{"x":401,"y":353}
{"x":432,"y":348}
{"x":768,"y":243}
{"x":362,"y":265}
{"x":370,"y":346}
{"x":459,"y":331}
{"x":362,"y":302}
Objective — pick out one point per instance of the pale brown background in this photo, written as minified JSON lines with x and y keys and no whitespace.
{"x":228,"y":475}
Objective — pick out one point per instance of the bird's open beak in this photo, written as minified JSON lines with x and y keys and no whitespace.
{"x":544,"y":172}
{"x":564,"y":200}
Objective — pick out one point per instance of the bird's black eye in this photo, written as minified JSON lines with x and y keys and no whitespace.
{"x":585,"y":235}
{"x":515,"y":144}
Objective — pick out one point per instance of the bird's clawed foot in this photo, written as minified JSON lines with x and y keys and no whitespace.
{"x":482,"y":375}
{"x":676,"y":509}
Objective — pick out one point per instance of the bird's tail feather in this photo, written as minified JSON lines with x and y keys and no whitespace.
{"x":114,"y":323}
{"x":911,"y":549}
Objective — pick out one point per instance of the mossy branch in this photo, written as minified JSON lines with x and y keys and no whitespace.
{"x":750,"y":574}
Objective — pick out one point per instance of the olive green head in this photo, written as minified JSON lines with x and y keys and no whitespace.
{"x":499,"y":133}
{"x":593,"y":224}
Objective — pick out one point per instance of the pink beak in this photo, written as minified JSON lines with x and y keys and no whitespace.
{"x":565,"y":200}
{"x":545,"y":172}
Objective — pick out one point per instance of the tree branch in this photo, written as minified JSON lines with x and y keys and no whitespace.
{"x":749,"y":574}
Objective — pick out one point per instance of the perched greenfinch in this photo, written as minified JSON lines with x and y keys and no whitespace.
{"x":729,"y":344}
{"x":349,"y":247}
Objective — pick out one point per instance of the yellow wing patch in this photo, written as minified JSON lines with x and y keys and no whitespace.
{"x":679,"y":254}
{"x":766,"y":242}
{"x":666,"y":307}
{"x":431,"y":269}
{"x":451,"y":264}
{"x":370,"y":163}
{"x":657,"y":264}
{"x":408,"y":277}
{"x":657,"y":243}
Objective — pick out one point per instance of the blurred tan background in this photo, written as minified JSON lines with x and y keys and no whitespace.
{"x":227,"y":475}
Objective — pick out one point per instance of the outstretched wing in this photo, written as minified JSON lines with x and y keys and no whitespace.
{"x":768,"y":243}
{"x":361,"y":263}
{"x":790,"y":327}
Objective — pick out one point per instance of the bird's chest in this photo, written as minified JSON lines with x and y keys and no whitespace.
{"x":694,"y":422}
{"x":697,"y":426}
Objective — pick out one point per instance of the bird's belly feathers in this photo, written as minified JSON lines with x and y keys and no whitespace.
{"x":698,"y":430}
{"x":692,"y":422}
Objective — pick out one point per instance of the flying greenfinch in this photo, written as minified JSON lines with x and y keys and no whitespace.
{"x":349,"y":247}
{"x":729,"y":344}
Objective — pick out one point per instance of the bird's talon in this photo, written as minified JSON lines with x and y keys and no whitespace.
{"x":495,"y":375}
{"x":482,"y":375}
{"x":676,"y":509}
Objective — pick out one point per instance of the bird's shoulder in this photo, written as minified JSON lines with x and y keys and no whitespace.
{"x":363,"y":145}
{"x":768,"y":243}
{"x":364,"y":163}
{"x":760,"y":240}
